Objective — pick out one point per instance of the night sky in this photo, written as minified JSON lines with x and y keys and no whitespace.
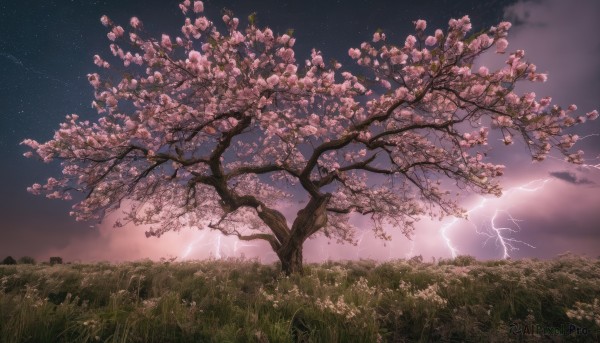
{"x":46,"y":50}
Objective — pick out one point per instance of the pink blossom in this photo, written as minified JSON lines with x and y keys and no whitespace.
{"x":545,"y":101}
{"x":410,"y":41}
{"x":94,"y":79}
{"x":183,"y":8}
{"x":483,"y":71}
{"x":111,"y":101}
{"x":376,"y":37}
{"x":430,"y":41}
{"x":104,"y":20}
{"x":318,"y":60}
{"x":202,"y":23}
{"x":465,"y":23}
{"x":504,"y":26}
{"x":399,"y":58}
{"x":593,"y":115}
{"x":401,"y":93}
{"x":484,"y":41}
{"x":232,"y":121}
{"x":98,"y":61}
{"x":504,"y":121}
{"x":118,"y":31}
{"x":35,"y":188}
{"x":111,"y":36}
{"x":308,"y":130}
{"x":198,"y":6}
{"x":314,"y":119}
{"x":477,"y":90}
{"x":273,"y":80}
{"x":541,"y":77}
{"x":135,"y":22}
{"x":237,"y":37}
{"x":501,"y":45}
{"x":31,"y":143}
{"x":268,"y":33}
{"x":354,"y":53}
{"x":166,"y":42}
{"x":283,"y":39}
{"x":416,"y":55}
{"x":452,"y":23}
{"x":420,"y":25}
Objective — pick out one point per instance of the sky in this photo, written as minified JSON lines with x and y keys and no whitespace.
{"x":548,"y":208}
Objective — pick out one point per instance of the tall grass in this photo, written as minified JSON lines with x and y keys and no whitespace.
{"x":245,"y":301}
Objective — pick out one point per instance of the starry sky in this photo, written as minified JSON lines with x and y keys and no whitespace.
{"x":46,"y":50}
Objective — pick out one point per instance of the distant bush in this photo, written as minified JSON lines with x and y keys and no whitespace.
{"x":56,"y":260}
{"x":461,"y":261}
{"x":26,"y":260}
{"x":9,"y":260}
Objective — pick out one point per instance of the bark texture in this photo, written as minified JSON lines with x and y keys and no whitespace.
{"x":309,"y":220}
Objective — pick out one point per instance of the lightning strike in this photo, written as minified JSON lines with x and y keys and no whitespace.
{"x":358,"y":243}
{"x":495,"y":232}
{"x":593,"y":166}
{"x":237,"y":244}
{"x":220,"y":246}
{"x":411,"y":252}
{"x":499,"y":234}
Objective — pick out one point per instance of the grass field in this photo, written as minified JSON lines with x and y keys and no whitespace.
{"x":362,"y":301}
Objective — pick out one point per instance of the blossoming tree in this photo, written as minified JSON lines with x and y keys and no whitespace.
{"x":212,"y":130}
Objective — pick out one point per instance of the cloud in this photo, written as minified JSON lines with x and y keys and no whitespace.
{"x":571,"y":178}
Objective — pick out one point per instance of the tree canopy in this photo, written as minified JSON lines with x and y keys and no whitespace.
{"x":213,"y":128}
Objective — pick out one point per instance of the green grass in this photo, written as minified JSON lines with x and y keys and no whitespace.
{"x":245,"y":301}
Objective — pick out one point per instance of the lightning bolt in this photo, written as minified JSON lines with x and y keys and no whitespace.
{"x":220,"y":246}
{"x":190,"y":246}
{"x":411,"y":252}
{"x":359,"y":250}
{"x":495,"y":232}
{"x":237,"y":244}
{"x":499,"y":234}
{"x":593,"y":166}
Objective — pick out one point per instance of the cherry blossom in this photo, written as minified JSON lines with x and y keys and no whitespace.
{"x":420,"y":25}
{"x":198,"y":6}
{"x":135,"y":22}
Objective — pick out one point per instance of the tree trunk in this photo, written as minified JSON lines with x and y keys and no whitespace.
{"x":291,"y":261}
{"x":309,"y":220}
